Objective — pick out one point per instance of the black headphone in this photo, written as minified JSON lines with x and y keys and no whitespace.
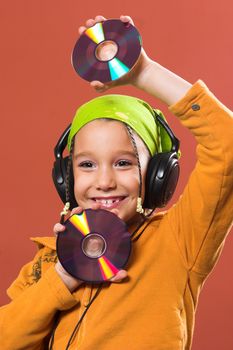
{"x":161,"y":177}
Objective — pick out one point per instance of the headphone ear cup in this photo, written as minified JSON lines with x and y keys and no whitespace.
{"x":161,"y":179}
{"x":59,"y":176}
{"x":59,"y":172}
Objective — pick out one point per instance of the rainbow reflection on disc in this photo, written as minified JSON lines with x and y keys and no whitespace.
{"x":125,"y":42}
{"x":94,"y":246}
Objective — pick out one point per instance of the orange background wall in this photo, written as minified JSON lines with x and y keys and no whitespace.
{"x":40,"y":93}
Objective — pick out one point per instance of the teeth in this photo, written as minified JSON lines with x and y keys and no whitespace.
{"x":107,"y":201}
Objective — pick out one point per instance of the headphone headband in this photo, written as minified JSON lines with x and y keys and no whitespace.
{"x":175,"y":142}
{"x":62,"y":142}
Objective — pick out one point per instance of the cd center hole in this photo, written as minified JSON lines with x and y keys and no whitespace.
{"x":106,"y":50}
{"x":93,"y":245}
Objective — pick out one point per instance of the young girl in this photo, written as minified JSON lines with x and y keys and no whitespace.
{"x":173,"y":252}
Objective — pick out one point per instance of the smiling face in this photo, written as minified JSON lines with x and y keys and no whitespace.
{"x":106,"y":170}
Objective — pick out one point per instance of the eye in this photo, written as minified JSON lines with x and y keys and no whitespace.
{"x":86,"y":164}
{"x":123,"y":163}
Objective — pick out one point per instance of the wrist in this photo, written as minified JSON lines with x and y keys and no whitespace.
{"x":149,"y":72}
{"x":141,"y":71}
{"x":70,"y":282}
{"x":162,"y":83}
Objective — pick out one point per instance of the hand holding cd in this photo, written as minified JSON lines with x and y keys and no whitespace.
{"x":114,"y":59}
{"x":94,"y":246}
{"x":71,"y":282}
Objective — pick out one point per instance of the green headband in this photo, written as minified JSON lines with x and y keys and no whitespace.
{"x":135,"y":112}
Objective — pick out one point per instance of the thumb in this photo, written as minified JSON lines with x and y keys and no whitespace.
{"x":98,"y":86}
{"x":101,"y":87}
{"x":119,"y":276}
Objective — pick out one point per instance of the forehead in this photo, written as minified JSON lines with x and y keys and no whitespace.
{"x":103,"y":137}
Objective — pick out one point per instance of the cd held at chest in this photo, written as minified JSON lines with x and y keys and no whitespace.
{"x":94,"y":246}
{"x":106,"y":51}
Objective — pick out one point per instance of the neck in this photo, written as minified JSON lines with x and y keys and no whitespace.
{"x":135,"y":223}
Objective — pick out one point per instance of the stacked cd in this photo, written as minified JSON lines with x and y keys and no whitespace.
{"x":94,"y":246}
{"x":106,"y":51}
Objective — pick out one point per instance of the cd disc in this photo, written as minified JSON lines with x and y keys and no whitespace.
{"x":106,"y":51}
{"x":94,"y":246}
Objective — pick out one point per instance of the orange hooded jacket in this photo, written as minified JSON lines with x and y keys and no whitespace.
{"x":155,"y":307}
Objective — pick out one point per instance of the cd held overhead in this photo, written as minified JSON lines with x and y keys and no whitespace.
{"x":146,"y":74}
{"x":107,"y":51}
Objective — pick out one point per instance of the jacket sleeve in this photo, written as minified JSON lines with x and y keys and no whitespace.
{"x":36,"y":297}
{"x":203,"y":214}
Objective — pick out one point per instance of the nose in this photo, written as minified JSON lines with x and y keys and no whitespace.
{"x":106,"y":179}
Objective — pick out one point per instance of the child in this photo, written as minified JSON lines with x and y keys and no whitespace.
{"x":173,"y":252}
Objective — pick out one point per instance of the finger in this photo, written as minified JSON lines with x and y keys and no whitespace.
{"x":58,"y":228}
{"x":100,"y":87}
{"x":126,"y":19}
{"x":97,"y":84}
{"x":100,"y":18}
{"x":119,"y":276}
{"x":90,"y":22}
{"x":77,"y":210}
{"x":81,"y":30}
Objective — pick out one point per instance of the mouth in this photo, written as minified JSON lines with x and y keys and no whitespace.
{"x":109,"y":202}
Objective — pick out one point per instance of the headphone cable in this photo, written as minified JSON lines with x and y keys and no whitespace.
{"x":78,"y":323}
{"x":82,"y":317}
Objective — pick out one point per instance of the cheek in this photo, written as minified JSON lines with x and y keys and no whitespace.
{"x":80,"y":184}
{"x":130,"y":181}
